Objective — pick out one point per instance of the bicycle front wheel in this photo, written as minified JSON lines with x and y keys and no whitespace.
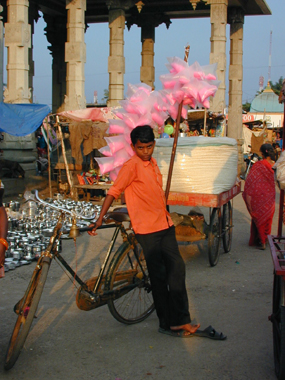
{"x":127,"y":276}
{"x":27,"y":309}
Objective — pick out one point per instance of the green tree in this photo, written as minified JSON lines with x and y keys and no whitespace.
{"x":277,"y":86}
{"x":246,"y":107}
{"x":106,"y":96}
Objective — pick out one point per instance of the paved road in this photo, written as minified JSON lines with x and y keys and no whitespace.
{"x":66,"y":343}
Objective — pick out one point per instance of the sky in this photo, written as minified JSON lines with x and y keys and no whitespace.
{"x":169,"y":43}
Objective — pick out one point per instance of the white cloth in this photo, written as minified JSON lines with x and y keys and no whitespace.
{"x":204,"y":165}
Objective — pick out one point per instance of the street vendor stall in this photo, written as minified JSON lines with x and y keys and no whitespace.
{"x":204,"y":175}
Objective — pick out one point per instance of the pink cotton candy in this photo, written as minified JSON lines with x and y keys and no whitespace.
{"x":190,"y":102}
{"x":116,"y":126}
{"x":170,"y":98}
{"x":133,"y":88}
{"x":115,"y":143}
{"x":205,"y":92}
{"x":106,"y":151}
{"x":129,"y":106}
{"x":206,"y":103}
{"x":211,"y":77}
{"x":176,"y":64}
{"x":131,"y":120}
{"x":178,"y":95}
{"x":129,"y":149}
{"x":191,"y":91}
{"x":138,"y":96}
{"x":121,"y":157}
{"x":144,"y":120}
{"x":127,"y":138}
{"x":118,"y":112}
{"x":157,"y":118}
{"x":169,"y":84}
{"x":184,"y":112}
{"x":173,"y":111}
{"x":199,"y":75}
{"x":114,"y":173}
{"x":106,"y":164}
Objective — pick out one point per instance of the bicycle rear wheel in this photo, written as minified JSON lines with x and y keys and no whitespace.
{"x":227,"y":224}
{"x":135,"y":304}
{"x":214,"y":237}
{"x":27,"y":309}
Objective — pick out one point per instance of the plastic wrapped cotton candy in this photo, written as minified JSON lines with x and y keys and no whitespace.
{"x":114,"y":173}
{"x":106,"y":164}
{"x":116,"y":126}
{"x":105,"y":150}
{"x":190,"y":85}
{"x":115,"y":143}
{"x":120,"y":157}
{"x":176,"y":64}
{"x":134,"y":88}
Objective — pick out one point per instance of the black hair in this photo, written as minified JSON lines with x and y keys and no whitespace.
{"x":144,"y":134}
{"x":267,"y":151}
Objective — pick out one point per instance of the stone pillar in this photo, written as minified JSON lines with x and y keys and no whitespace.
{"x":75,"y":55}
{"x":116,"y":59}
{"x":218,"y":15}
{"x":148,"y":22}
{"x":33,"y":16}
{"x":236,"y":20}
{"x":147,"y":67}
{"x":56,"y":36}
{"x":18,"y":42}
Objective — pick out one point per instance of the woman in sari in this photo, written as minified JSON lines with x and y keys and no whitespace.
{"x":259,"y":197}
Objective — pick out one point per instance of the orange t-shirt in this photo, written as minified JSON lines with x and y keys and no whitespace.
{"x":142,"y":183}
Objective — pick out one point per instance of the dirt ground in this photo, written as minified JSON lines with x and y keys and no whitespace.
{"x":67,"y":343}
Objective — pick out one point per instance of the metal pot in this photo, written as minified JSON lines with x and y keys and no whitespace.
{"x":16,"y":255}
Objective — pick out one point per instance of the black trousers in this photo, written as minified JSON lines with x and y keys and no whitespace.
{"x":167,"y":275}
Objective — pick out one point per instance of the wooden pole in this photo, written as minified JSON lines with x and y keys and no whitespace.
{"x":178,"y":119}
{"x":205,"y":121}
{"x":281,"y":199}
{"x":64,"y":158}
{"x":49,"y":166}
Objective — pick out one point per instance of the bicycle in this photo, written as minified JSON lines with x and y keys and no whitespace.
{"x":122,"y":283}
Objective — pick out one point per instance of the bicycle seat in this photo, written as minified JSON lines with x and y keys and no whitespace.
{"x":119,"y":215}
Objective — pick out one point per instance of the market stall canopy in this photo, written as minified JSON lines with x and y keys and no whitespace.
{"x":95,"y":114}
{"x":22,"y":119}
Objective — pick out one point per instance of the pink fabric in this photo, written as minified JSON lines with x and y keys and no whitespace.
{"x":94,"y":114}
{"x":259,"y":197}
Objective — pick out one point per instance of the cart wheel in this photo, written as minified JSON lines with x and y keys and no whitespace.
{"x":227,"y":226}
{"x":214,"y":236}
{"x":278,"y":328}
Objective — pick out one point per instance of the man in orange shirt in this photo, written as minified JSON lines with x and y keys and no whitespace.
{"x":141,"y":180}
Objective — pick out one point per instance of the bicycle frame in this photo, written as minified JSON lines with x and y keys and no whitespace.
{"x":93,"y":297}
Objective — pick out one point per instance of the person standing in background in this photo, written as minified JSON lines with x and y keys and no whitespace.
{"x":259,"y":197}
{"x":3,"y":231}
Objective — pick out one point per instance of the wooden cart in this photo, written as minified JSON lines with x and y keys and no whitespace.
{"x":221,"y":215}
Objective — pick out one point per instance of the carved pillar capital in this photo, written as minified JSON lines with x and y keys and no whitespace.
{"x":147,"y":22}
{"x":120,"y":4}
{"x":235,"y":15}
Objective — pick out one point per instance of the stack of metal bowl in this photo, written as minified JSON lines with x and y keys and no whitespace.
{"x":29,"y":234}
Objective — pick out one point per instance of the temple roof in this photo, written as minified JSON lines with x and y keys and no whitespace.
{"x":267,"y":101}
{"x":98,"y":10}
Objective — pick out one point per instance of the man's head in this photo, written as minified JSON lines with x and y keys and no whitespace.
{"x":143,"y":142}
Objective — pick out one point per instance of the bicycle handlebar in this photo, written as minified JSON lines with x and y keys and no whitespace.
{"x":71,"y":212}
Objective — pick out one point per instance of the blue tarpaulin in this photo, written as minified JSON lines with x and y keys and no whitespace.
{"x":22,"y":119}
